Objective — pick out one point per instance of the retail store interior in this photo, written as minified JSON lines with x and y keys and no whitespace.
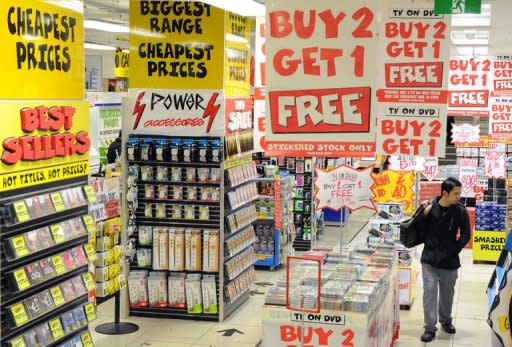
{"x":250,"y":173}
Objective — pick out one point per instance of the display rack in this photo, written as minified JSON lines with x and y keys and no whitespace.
{"x":274,"y":227}
{"x":45,"y":282}
{"x":191,"y":227}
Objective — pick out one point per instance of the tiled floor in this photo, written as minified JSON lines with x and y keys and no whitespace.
{"x":469,"y":311}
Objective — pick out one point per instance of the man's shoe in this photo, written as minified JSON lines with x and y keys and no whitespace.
{"x":449,"y":328}
{"x":427,"y":336}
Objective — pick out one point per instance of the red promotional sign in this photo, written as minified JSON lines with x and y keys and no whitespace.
{"x":502,"y":77}
{"x":470,"y":82}
{"x":413,"y":84}
{"x":431,"y":168}
{"x":495,"y":161}
{"x":468,"y":176}
{"x":465,"y":133}
{"x":500,"y":120}
{"x":330,"y":45}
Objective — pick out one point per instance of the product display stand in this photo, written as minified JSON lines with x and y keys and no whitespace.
{"x":117,"y":327}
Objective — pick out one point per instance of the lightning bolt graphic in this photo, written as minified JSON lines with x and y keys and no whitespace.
{"x":211,"y":111}
{"x":138,"y":110}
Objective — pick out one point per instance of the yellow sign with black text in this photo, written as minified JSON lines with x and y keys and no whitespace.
{"x":122,"y":63}
{"x":238,"y":56}
{"x":395,"y":186}
{"x":176,"y":45}
{"x":487,"y":245}
{"x":43,"y":143}
{"x":42,"y":49}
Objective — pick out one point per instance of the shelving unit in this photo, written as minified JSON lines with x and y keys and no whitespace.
{"x":45,"y":282}
{"x":191,"y":221}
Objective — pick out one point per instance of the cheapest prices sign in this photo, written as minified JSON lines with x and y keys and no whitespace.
{"x":470,"y":82}
{"x":487,"y":245}
{"x":344,"y":187}
{"x":42,"y":49}
{"x":176,"y":112}
{"x":330,"y":45}
{"x":413,"y":81}
{"x":43,"y":143}
{"x":237,"y":56}
{"x":391,"y":186}
{"x":500,"y":120}
{"x":468,"y":176}
{"x":176,"y":41}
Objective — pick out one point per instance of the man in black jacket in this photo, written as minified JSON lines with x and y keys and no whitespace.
{"x":440,"y":258}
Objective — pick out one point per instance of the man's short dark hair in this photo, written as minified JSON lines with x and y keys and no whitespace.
{"x":450,"y":183}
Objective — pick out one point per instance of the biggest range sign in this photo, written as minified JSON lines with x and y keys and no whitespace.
{"x":327,"y":44}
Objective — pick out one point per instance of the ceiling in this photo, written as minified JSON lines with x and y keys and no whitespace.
{"x":497,"y":38}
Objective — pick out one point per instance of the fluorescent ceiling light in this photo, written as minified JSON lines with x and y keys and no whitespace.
{"x":470,"y":37}
{"x":99,"y":47}
{"x":235,"y":38}
{"x":472,"y":51}
{"x":473,"y":20}
{"x":242,"y":7}
{"x":73,"y":5}
{"x":105,"y":26}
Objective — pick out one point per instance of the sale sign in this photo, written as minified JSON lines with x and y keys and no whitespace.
{"x":239,"y":126}
{"x":470,"y":82}
{"x":465,"y":133}
{"x":413,"y":83}
{"x":468,"y":176}
{"x":391,"y":186}
{"x":431,"y":168}
{"x":500,"y":120}
{"x":344,"y":187}
{"x":495,"y":161}
{"x":176,"y":112}
{"x":406,"y":163}
{"x":502,"y":76}
{"x":320,"y":77}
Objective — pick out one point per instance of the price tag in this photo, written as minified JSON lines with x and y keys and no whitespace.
{"x":56,"y":328}
{"x":21,"y":278}
{"x":18,"y":342}
{"x":57,"y":296}
{"x":58,"y":264}
{"x":91,"y":194}
{"x":91,"y":253}
{"x":89,"y":282}
{"x":21,"y":211}
{"x":20,"y":247}
{"x":86,"y":339}
{"x":57,"y":201}
{"x":90,"y":312}
{"x":90,"y":224}
{"x":57,"y":233}
{"x":19,"y":314}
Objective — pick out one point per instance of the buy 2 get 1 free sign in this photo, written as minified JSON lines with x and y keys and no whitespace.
{"x":330,"y":45}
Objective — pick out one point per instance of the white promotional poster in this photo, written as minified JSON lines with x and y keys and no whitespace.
{"x":500,"y":119}
{"x":471,"y":79}
{"x":177,"y":112}
{"x":431,"y":169}
{"x":406,"y":163}
{"x":344,"y":187}
{"x":413,"y":79}
{"x":320,"y":75}
{"x":468,"y":176}
{"x":465,"y":133}
{"x":502,"y":76}
{"x":495,"y":161}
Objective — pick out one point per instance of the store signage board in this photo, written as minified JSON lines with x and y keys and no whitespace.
{"x":43,"y":142}
{"x":468,"y":176}
{"x":393,"y":186}
{"x":239,"y":133}
{"x":471,"y":80}
{"x":495,"y":163}
{"x":458,"y":6}
{"x":122,"y":63}
{"x":109,"y":127}
{"x":465,"y":133}
{"x":502,"y":77}
{"x":176,"y":112}
{"x":344,"y":187}
{"x":237,"y":57}
{"x":413,"y":81}
{"x":406,"y":163}
{"x":42,"y":49}
{"x":500,"y":119}
{"x":319,"y":84}
{"x":431,"y":169}
{"x":177,"y":44}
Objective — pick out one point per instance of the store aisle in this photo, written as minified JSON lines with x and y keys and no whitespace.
{"x":470,"y":312}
